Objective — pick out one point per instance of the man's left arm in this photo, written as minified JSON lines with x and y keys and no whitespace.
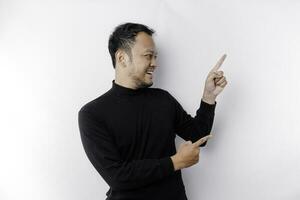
{"x":193,"y":128}
{"x":190,"y":128}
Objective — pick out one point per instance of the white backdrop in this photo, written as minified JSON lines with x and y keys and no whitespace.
{"x":54,"y":59}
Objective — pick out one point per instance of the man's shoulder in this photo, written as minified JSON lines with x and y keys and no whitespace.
{"x":96,"y":103}
{"x":164,"y":93}
{"x":159,"y":91}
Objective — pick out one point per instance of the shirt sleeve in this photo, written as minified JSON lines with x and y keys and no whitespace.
{"x":104,"y":156}
{"x":193,"y":128}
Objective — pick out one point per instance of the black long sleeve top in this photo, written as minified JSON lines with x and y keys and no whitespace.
{"x":129,"y":137}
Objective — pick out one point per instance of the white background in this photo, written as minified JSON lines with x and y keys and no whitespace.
{"x":54,"y":58}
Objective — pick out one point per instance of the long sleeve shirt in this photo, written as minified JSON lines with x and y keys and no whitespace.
{"x":129,"y":137}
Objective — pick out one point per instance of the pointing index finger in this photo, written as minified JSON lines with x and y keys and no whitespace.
{"x":219,"y":63}
{"x":202,"y":140}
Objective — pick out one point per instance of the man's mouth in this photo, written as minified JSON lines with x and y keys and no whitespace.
{"x":150,"y":73}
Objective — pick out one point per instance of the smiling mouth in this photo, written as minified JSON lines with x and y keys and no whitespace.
{"x":150,"y":72}
{"x":150,"y":75}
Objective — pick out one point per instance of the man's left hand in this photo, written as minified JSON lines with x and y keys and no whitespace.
{"x":215,"y":82}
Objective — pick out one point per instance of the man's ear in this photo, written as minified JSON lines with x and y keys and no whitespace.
{"x":120,"y":56}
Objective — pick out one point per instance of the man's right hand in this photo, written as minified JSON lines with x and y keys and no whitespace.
{"x":188,"y":153}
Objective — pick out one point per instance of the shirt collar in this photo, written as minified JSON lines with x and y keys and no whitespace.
{"x":119,"y":89}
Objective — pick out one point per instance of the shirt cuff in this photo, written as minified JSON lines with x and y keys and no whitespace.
{"x":206,"y":107}
{"x":167,"y":166}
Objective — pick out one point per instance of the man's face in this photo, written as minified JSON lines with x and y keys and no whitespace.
{"x":143,"y":61}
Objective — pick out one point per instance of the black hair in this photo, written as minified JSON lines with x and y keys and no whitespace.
{"x":123,"y":37}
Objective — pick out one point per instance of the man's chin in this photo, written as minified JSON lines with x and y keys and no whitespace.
{"x":146,"y":84}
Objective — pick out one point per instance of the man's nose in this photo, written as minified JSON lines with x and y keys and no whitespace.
{"x":153,"y":62}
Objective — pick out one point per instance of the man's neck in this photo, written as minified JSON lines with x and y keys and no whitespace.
{"x":125,"y":82}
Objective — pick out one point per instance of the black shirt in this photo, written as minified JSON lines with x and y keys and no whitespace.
{"x":129,"y":137}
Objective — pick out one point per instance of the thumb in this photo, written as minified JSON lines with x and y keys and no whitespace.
{"x":214,"y":75}
{"x":188,"y":142}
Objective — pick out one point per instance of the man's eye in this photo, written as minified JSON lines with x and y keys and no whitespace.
{"x":148,"y":56}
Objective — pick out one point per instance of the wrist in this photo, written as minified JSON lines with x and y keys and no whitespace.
{"x":210,"y":99}
{"x":177,"y":162}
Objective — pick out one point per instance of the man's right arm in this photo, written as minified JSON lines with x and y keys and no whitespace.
{"x":103,"y":154}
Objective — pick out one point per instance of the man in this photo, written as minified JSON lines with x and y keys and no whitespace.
{"x":128,"y":133}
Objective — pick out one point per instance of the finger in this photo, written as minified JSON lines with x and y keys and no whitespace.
{"x":217,"y":78}
{"x":202,"y":140}
{"x":219,"y":73}
{"x":219,"y":63}
{"x":223,"y":84}
{"x":215,"y":75}
{"x":220,"y":80}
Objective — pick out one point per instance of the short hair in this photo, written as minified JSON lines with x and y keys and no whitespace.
{"x":123,"y":37}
